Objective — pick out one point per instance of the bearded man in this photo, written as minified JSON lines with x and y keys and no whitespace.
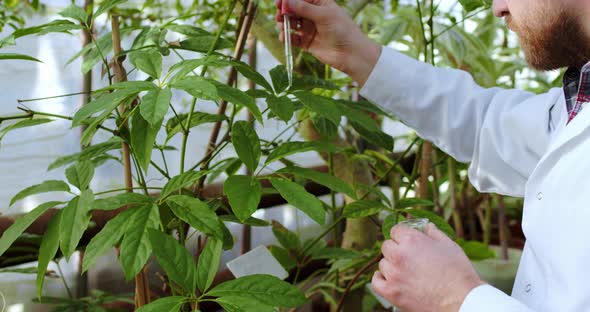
{"x":518,"y":144}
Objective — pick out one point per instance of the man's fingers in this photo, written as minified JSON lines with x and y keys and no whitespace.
{"x":400,"y":233}
{"x":378,"y":283}
{"x":303,"y":9}
{"x":433,"y":232}
{"x":386,"y":268}
{"x":388,"y":249}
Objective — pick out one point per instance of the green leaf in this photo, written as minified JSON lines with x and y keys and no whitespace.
{"x":471,"y":5}
{"x":23,"y":124}
{"x":289,"y":240}
{"x":312,"y":82}
{"x":377,"y":137}
{"x":120,"y":200}
{"x":362,"y":208}
{"x":411,"y":202}
{"x":282,"y":107}
{"x":22,"y":223}
{"x":106,"y":6}
{"x":80,"y":174}
{"x":187,"y":30}
{"x":334,"y":253}
{"x":154,"y":106}
{"x":476,"y":251}
{"x":297,"y":196}
{"x":325,"y":107}
{"x":47,"y":250}
{"x":208,"y":264}
{"x":291,"y":148}
{"x":244,"y":194}
{"x":131,"y":86}
{"x":440,"y":223}
{"x":251,"y":74}
{"x":250,"y":221}
{"x":238,"y":97}
{"x":264,"y":288}
{"x":203,"y":43}
{"x":89,"y":152}
{"x":165,"y":304}
{"x":388,"y":223}
{"x":148,"y":61}
{"x":108,"y":237}
{"x":246,"y":143}
{"x":331,"y":182}
{"x":135,"y":247}
{"x":280,"y":79}
{"x":47,"y":186}
{"x":143,"y":137}
{"x":59,"y":25}
{"x":106,"y":103}
{"x":175,"y":124}
{"x":197,"y":214}
{"x":74,"y":221}
{"x":175,"y":260}
{"x":75,"y":12}
{"x":198,"y":87}
{"x":185,"y":67}
{"x":181,"y":181}
{"x":285,"y":258}
{"x":14,"y":56}
{"x":242,"y":304}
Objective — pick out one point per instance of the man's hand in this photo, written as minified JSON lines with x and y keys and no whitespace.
{"x":326,"y":31}
{"x":424,"y":271}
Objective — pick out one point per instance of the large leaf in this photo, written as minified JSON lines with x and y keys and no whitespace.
{"x":242,"y":304}
{"x":148,"y":61}
{"x":75,"y":218}
{"x":244,"y":194}
{"x":251,"y":74}
{"x":209,"y":264}
{"x":284,"y":257}
{"x":297,"y":196}
{"x":281,"y":106}
{"x":264,"y":288}
{"x":250,"y":221}
{"x":154,"y":105}
{"x":187,"y":30}
{"x":14,"y":56}
{"x":180,"y":181}
{"x":80,"y":174}
{"x":238,"y":97}
{"x":362,"y":208}
{"x":23,"y":124}
{"x":89,"y":152}
{"x":108,"y":237}
{"x":75,"y":12}
{"x":63,"y":26}
{"x":280,"y":79}
{"x":106,"y":6}
{"x":47,"y":250}
{"x":135,"y":247}
{"x":440,"y":223}
{"x":120,"y":200}
{"x":288,"y":239}
{"x":291,"y":148}
{"x":175,"y":260}
{"x":376,"y":137}
{"x":476,"y":251}
{"x":246,"y":143}
{"x":143,"y":137}
{"x":22,"y":223}
{"x":334,"y":253}
{"x":165,"y":304}
{"x":325,"y":107}
{"x":181,"y":69}
{"x":203,"y":43}
{"x":471,"y":5}
{"x":411,"y":202}
{"x":198,"y":87}
{"x":175,"y":125}
{"x":197,"y":214}
{"x":332,"y":182}
{"x":106,"y":103}
{"x":47,"y":186}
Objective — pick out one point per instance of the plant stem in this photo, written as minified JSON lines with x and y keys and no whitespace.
{"x":63,"y":279}
{"x":367,"y":266}
{"x":54,"y":97}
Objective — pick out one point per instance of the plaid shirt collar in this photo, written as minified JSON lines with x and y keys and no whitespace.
{"x":576,"y":86}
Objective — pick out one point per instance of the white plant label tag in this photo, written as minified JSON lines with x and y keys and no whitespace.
{"x":257,"y":261}
{"x":381,"y":300}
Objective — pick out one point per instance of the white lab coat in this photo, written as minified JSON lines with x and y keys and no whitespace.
{"x":518,"y":144}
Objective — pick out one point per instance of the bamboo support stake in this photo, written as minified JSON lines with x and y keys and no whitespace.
{"x":142,"y":291}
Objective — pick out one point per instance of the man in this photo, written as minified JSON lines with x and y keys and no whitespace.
{"x":518,"y":143}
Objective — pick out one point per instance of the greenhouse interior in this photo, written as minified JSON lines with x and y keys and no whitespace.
{"x":356,"y":156}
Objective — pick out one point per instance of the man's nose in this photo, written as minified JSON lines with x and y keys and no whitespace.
{"x":500,"y":8}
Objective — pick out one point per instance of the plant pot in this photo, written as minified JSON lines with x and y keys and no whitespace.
{"x":497,"y":272}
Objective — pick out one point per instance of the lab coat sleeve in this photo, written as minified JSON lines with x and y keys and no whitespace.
{"x":486,"y":298}
{"x":503,"y":133}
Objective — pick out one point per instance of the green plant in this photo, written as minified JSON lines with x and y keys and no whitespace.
{"x":133,"y":113}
